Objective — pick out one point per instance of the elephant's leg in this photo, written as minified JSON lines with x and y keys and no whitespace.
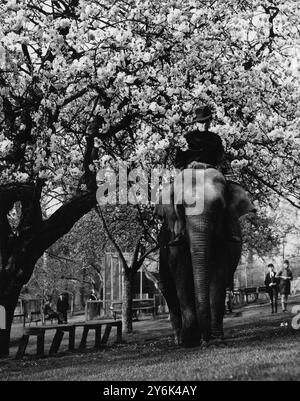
{"x":169,"y":292}
{"x":168,"y":289}
{"x":217,"y":306}
{"x":222,"y":277}
{"x":182,"y":273}
{"x":218,"y":282}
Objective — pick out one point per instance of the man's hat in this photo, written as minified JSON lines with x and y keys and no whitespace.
{"x":203,"y":114}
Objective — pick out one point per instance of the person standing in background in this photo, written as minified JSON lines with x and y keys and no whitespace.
{"x":285,"y":277}
{"x":62,"y":308}
{"x":271,"y":283}
{"x":93,"y":306}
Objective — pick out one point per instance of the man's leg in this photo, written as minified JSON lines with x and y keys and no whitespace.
{"x":271,"y":295}
{"x":60,"y":318}
{"x":283,"y":302}
{"x":275,"y":294}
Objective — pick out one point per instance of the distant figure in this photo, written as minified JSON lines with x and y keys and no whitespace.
{"x":62,"y":308}
{"x":229,"y":299}
{"x":93,"y":307}
{"x":271,"y":283}
{"x":49,"y":313}
{"x":285,"y":277}
{"x":93,"y":296}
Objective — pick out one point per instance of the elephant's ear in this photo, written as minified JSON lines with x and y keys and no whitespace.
{"x":237,"y":199}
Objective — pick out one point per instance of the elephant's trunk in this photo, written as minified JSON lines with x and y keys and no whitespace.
{"x":199,"y":228}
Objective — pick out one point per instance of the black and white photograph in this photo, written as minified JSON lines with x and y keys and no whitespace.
{"x":149,"y":193}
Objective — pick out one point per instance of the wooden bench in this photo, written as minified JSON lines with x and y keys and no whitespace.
{"x":35,"y":317}
{"x":39,"y":332}
{"x":238,"y":298}
{"x":97,"y":326}
{"x":41,"y":317}
{"x":138,"y":305}
{"x":252,"y":292}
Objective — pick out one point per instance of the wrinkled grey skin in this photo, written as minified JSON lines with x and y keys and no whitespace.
{"x":194,"y":275}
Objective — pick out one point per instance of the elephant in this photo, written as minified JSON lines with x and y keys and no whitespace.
{"x":195,"y":273}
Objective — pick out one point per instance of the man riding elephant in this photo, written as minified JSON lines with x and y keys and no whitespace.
{"x":205,"y":150}
{"x":204,"y":146}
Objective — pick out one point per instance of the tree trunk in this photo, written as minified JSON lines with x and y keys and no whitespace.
{"x":82,"y":289}
{"x":127,"y":302}
{"x":20,"y":252}
{"x":9,"y":300}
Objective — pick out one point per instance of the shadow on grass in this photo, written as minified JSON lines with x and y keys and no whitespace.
{"x":257,"y":348}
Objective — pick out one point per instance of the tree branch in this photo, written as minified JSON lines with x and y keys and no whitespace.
{"x":110,"y":236}
{"x":61,"y":221}
{"x":145,"y":256}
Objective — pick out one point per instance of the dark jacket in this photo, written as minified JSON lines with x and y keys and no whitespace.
{"x":271,"y":280}
{"x":285,"y":283}
{"x":92,"y":297}
{"x":62,"y":305}
{"x":203,"y":146}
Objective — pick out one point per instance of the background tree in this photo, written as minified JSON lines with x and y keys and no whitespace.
{"x":82,"y":80}
{"x":137,"y":237}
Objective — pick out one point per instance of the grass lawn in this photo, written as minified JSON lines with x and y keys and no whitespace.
{"x":258,"y":348}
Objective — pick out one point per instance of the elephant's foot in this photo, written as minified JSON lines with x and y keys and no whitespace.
{"x":177,"y":337}
{"x":190,"y":337}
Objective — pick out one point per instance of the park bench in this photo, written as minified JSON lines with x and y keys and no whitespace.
{"x":97,"y":326}
{"x":39,"y":332}
{"x":35,"y":317}
{"x":251,"y":292}
{"x":263,"y":290}
{"x":237,"y":297}
{"x":138,"y":305}
{"x":21,"y":316}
